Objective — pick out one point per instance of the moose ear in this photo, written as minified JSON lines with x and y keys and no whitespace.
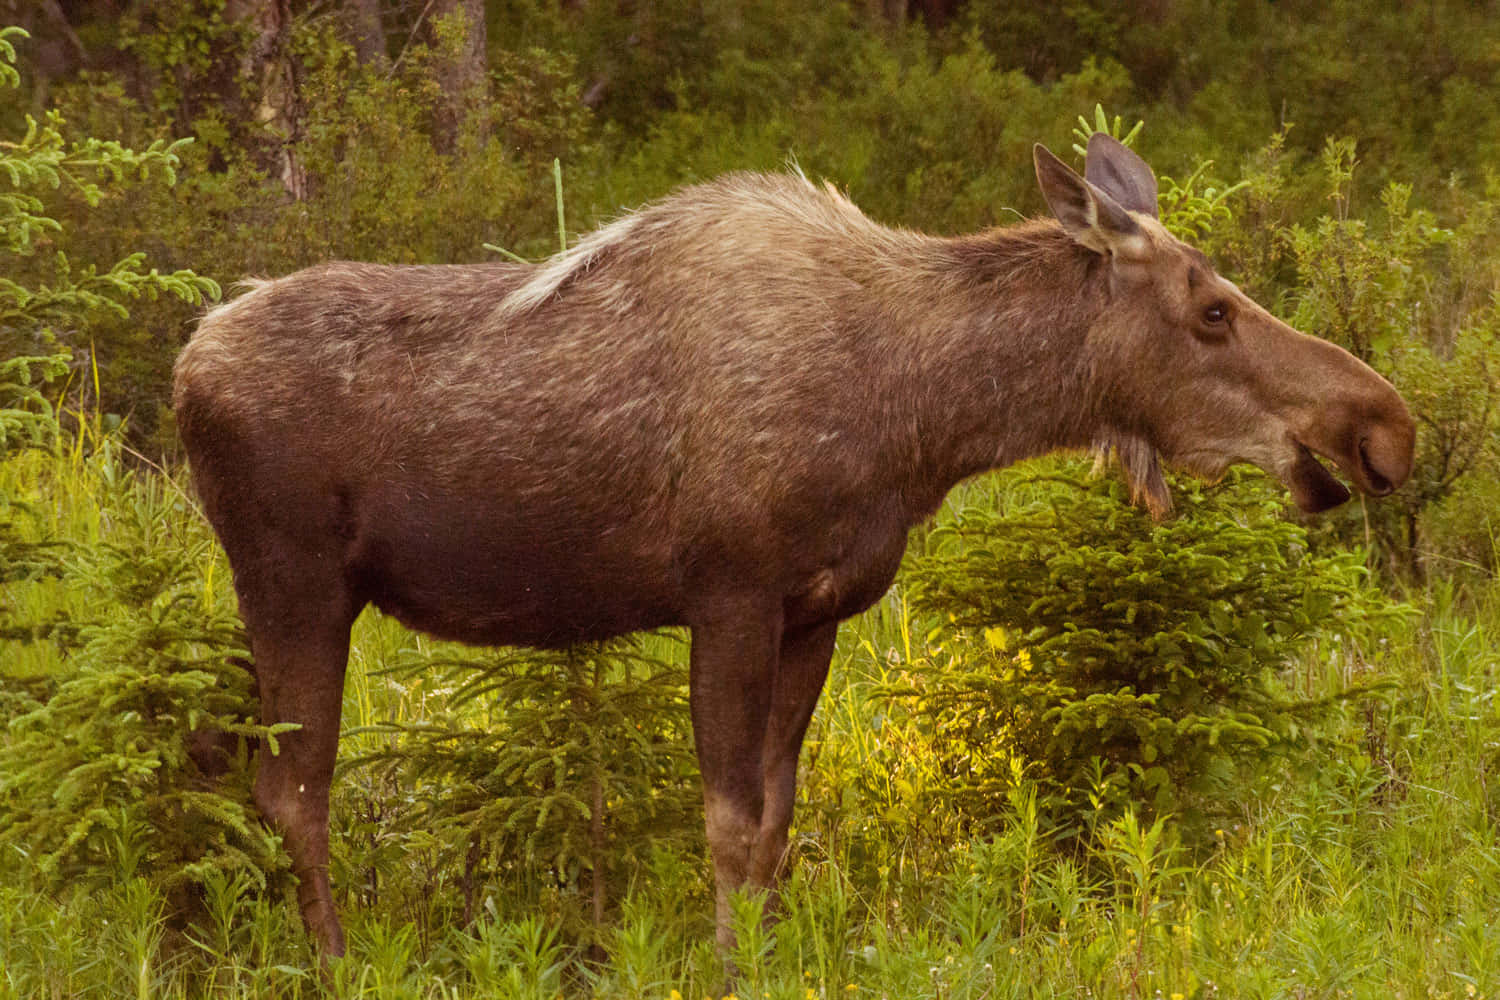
{"x":1090,"y":216}
{"x":1124,"y":176}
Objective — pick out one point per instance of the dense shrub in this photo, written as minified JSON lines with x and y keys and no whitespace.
{"x":554,"y":779}
{"x":98,"y":783}
{"x":1123,"y":659}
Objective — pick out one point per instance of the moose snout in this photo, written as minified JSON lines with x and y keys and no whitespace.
{"x":1385,"y":453}
{"x":1379,"y":484}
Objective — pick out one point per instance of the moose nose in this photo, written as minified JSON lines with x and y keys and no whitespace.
{"x":1377,"y":484}
{"x":1385,"y":456}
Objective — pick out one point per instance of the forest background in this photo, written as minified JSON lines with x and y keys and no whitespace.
{"x":1072,"y":752}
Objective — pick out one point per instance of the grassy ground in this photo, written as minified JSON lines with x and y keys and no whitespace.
{"x":1372,"y":870}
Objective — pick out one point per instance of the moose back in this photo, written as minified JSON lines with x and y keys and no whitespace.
{"x":723,"y":411}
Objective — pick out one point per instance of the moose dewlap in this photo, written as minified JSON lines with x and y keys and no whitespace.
{"x":723,"y":411}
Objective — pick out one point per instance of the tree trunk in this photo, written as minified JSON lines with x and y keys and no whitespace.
{"x":457,"y":33}
{"x":268,"y":66}
{"x":937,"y":13}
{"x":366,"y":32}
{"x":54,"y":50}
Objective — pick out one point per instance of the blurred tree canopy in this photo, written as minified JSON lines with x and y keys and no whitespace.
{"x":1344,"y":151}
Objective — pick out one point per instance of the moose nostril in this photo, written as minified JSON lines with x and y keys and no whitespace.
{"x":1377,"y":481}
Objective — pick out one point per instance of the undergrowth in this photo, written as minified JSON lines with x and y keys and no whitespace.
{"x":1368,"y":869}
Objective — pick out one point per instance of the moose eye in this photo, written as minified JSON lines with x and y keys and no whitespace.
{"x":1216,"y":315}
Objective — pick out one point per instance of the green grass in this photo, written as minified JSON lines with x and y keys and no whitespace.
{"x":1369,"y":869}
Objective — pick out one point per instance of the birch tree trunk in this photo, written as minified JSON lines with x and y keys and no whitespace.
{"x":268,"y":68}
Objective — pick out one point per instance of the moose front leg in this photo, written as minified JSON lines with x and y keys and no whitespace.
{"x":731,"y":684}
{"x":800,"y":675}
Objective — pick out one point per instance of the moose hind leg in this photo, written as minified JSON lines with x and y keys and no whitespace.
{"x":300,"y":659}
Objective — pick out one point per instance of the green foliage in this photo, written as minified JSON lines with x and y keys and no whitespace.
{"x":468,"y":830}
{"x":739,"y":58}
{"x":184,"y":51}
{"x":9,"y":77}
{"x":379,"y":186}
{"x":47,"y":302}
{"x":41,"y":319}
{"x":922,"y":120}
{"x":118,"y":650}
{"x":26,"y":421}
{"x":381,"y":180}
{"x":1085,"y":131}
{"x":1195,"y":207}
{"x":98,"y":783}
{"x":1361,"y":288}
{"x":1120,"y":658}
{"x":1414,"y":299}
{"x":25,"y":414}
{"x":565,"y":769}
{"x":43,"y":159}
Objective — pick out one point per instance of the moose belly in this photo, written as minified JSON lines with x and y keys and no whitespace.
{"x":499,"y":584}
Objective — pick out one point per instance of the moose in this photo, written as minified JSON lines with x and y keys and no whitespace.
{"x":722,"y":411}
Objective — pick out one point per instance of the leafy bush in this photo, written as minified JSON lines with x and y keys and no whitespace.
{"x":25,"y":422}
{"x":543,"y":775}
{"x":98,"y":783}
{"x":1120,"y":658}
{"x":379,"y":184}
{"x":51,"y":305}
{"x":1415,"y":300}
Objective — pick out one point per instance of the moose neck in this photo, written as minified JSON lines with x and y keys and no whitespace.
{"x":985,"y":337}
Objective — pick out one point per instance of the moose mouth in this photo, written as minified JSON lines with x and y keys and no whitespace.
{"x":1315,"y":489}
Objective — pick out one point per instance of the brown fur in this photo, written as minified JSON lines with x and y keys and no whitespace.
{"x":725,"y":412}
